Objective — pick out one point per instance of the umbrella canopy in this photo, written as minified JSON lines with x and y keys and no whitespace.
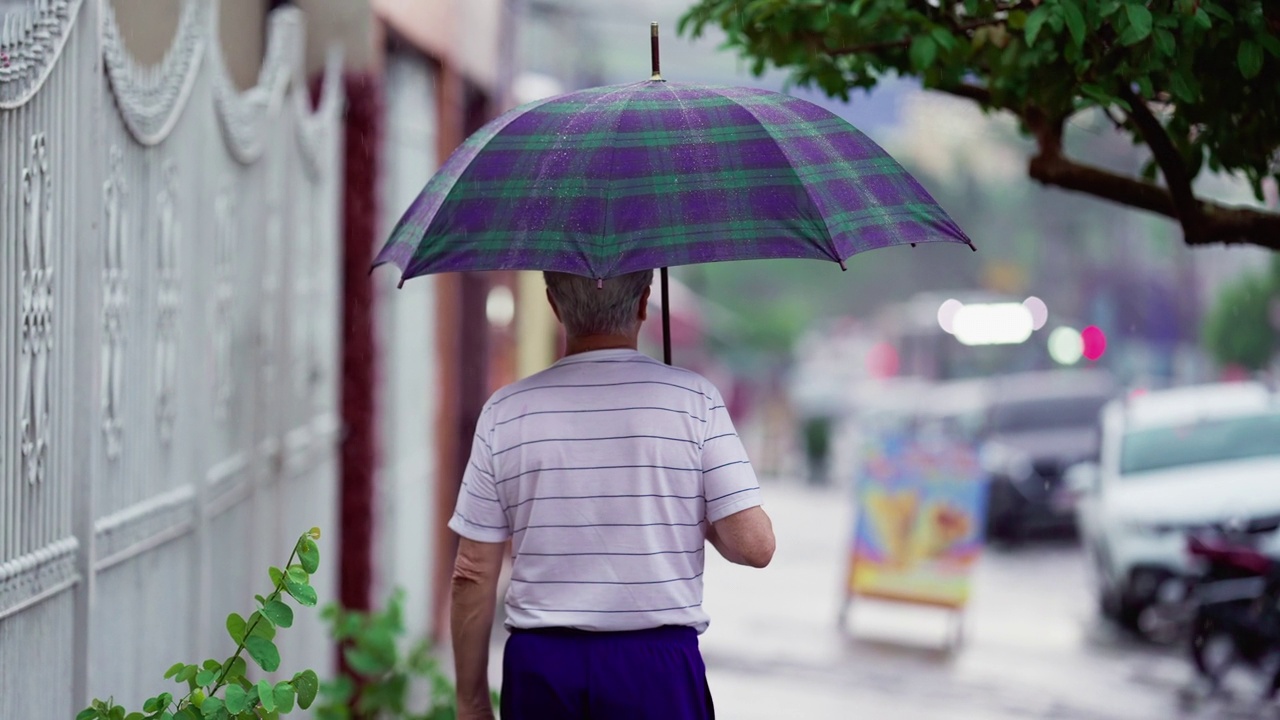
{"x":616,"y":179}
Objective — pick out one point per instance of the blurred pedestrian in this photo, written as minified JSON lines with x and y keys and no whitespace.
{"x":608,"y":472}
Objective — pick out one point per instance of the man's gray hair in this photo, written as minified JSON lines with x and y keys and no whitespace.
{"x":589,"y":308}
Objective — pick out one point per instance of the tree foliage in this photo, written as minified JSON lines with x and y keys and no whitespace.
{"x":1195,"y":81}
{"x":1240,"y":329}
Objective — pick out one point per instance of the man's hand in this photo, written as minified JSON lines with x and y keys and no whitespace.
{"x":475,"y":586}
{"x":744,"y":538}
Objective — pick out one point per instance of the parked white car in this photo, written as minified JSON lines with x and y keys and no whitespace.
{"x":1172,"y":461}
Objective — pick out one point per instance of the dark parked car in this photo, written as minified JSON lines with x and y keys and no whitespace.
{"x":1038,"y":425}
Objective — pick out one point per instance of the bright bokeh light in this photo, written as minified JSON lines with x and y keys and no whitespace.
{"x":500,"y":307}
{"x":1039,"y":311}
{"x":947,"y":314}
{"x":1095,"y":342}
{"x":1066,"y":347}
{"x":995,"y":324}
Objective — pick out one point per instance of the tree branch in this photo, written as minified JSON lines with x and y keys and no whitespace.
{"x":1217,"y":223}
{"x":1176,"y":176}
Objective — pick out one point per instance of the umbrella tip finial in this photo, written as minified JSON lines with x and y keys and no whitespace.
{"x":842,"y":267}
{"x":599,"y":283}
{"x":971,"y":245}
{"x":653,"y":52}
{"x":401,"y":283}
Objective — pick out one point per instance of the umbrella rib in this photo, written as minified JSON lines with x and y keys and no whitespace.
{"x":833,"y":251}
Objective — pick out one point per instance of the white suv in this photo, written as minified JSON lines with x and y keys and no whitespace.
{"x":1172,"y":461}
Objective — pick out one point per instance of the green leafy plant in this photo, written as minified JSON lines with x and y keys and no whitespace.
{"x":1191,"y":80}
{"x":371,"y":645}
{"x":240,"y":698}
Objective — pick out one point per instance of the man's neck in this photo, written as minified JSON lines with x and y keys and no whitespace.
{"x":587,"y":343}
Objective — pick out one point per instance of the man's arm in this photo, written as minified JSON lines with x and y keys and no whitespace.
{"x":475,"y":587}
{"x":744,"y":538}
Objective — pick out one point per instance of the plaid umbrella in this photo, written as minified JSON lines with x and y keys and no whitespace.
{"x":621,"y":178}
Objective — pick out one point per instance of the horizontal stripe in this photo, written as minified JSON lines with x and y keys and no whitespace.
{"x":464,"y":519}
{"x":517,"y":476}
{"x":605,"y":582}
{"x":600,"y":410}
{"x":603,"y":497}
{"x":599,"y":525}
{"x":637,"y":611}
{"x":735,"y":492}
{"x":738,"y":462}
{"x":478,"y":496}
{"x":479,"y":469}
{"x":510,"y":395}
{"x":717,"y":437}
{"x":615,"y":554}
{"x":595,"y":439}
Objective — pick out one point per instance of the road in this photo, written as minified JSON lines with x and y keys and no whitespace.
{"x":1033,"y":646}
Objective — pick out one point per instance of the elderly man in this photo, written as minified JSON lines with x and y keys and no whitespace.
{"x":608,"y":472}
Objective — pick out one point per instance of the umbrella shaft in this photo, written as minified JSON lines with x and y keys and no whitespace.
{"x":666,"y":320}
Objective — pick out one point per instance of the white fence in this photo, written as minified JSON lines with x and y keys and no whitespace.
{"x":169,"y":296}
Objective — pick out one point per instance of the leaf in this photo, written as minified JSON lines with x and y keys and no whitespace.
{"x":236,"y":668}
{"x":263,"y":652}
{"x":1075,"y":22}
{"x":923,"y":52}
{"x":945,"y":39}
{"x":296,"y":575}
{"x":1097,"y":94}
{"x":236,"y":627}
{"x":1270,"y":42}
{"x":117,"y":713}
{"x":1139,"y":23}
{"x":187,"y":713}
{"x":1182,"y":88}
{"x":1165,"y":42}
{"x":174,"y":670}
{"x":211,"y":708}
{"x":284,"y":694}
{"x":266,"y":695}
{"x":237,"y":699}
{"x":304,"y":594}
{"x":278,"y":613}
{"x":1249,"y":58}
{"x":307,"y":684}
{"x":212,"y":664}
{"x":87,"y":714}
{"x":309,"y":554}
{"x":364,"y":662}
{"x":205,"y":678}
{"x":277,"y":575}
{"x":261,"y":627}
{"x":135,"y":716}
{"x":188,"y":672}
{"x":1035,"y":21}
{"x":151,"y":705}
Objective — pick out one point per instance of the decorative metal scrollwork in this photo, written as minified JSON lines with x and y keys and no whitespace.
{"x":168,"y":297}
{"x":31,"y":41}
{"x":223,"y":300}
{"x":37,"y":312}
{"x":115,"y":298}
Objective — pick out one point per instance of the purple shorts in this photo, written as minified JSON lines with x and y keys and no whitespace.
{"x":574,"y":674}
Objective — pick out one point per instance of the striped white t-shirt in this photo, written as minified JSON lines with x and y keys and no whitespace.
{"x":604,"y":469}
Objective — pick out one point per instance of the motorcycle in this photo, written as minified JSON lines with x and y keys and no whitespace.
{"x":1235,"y":601}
